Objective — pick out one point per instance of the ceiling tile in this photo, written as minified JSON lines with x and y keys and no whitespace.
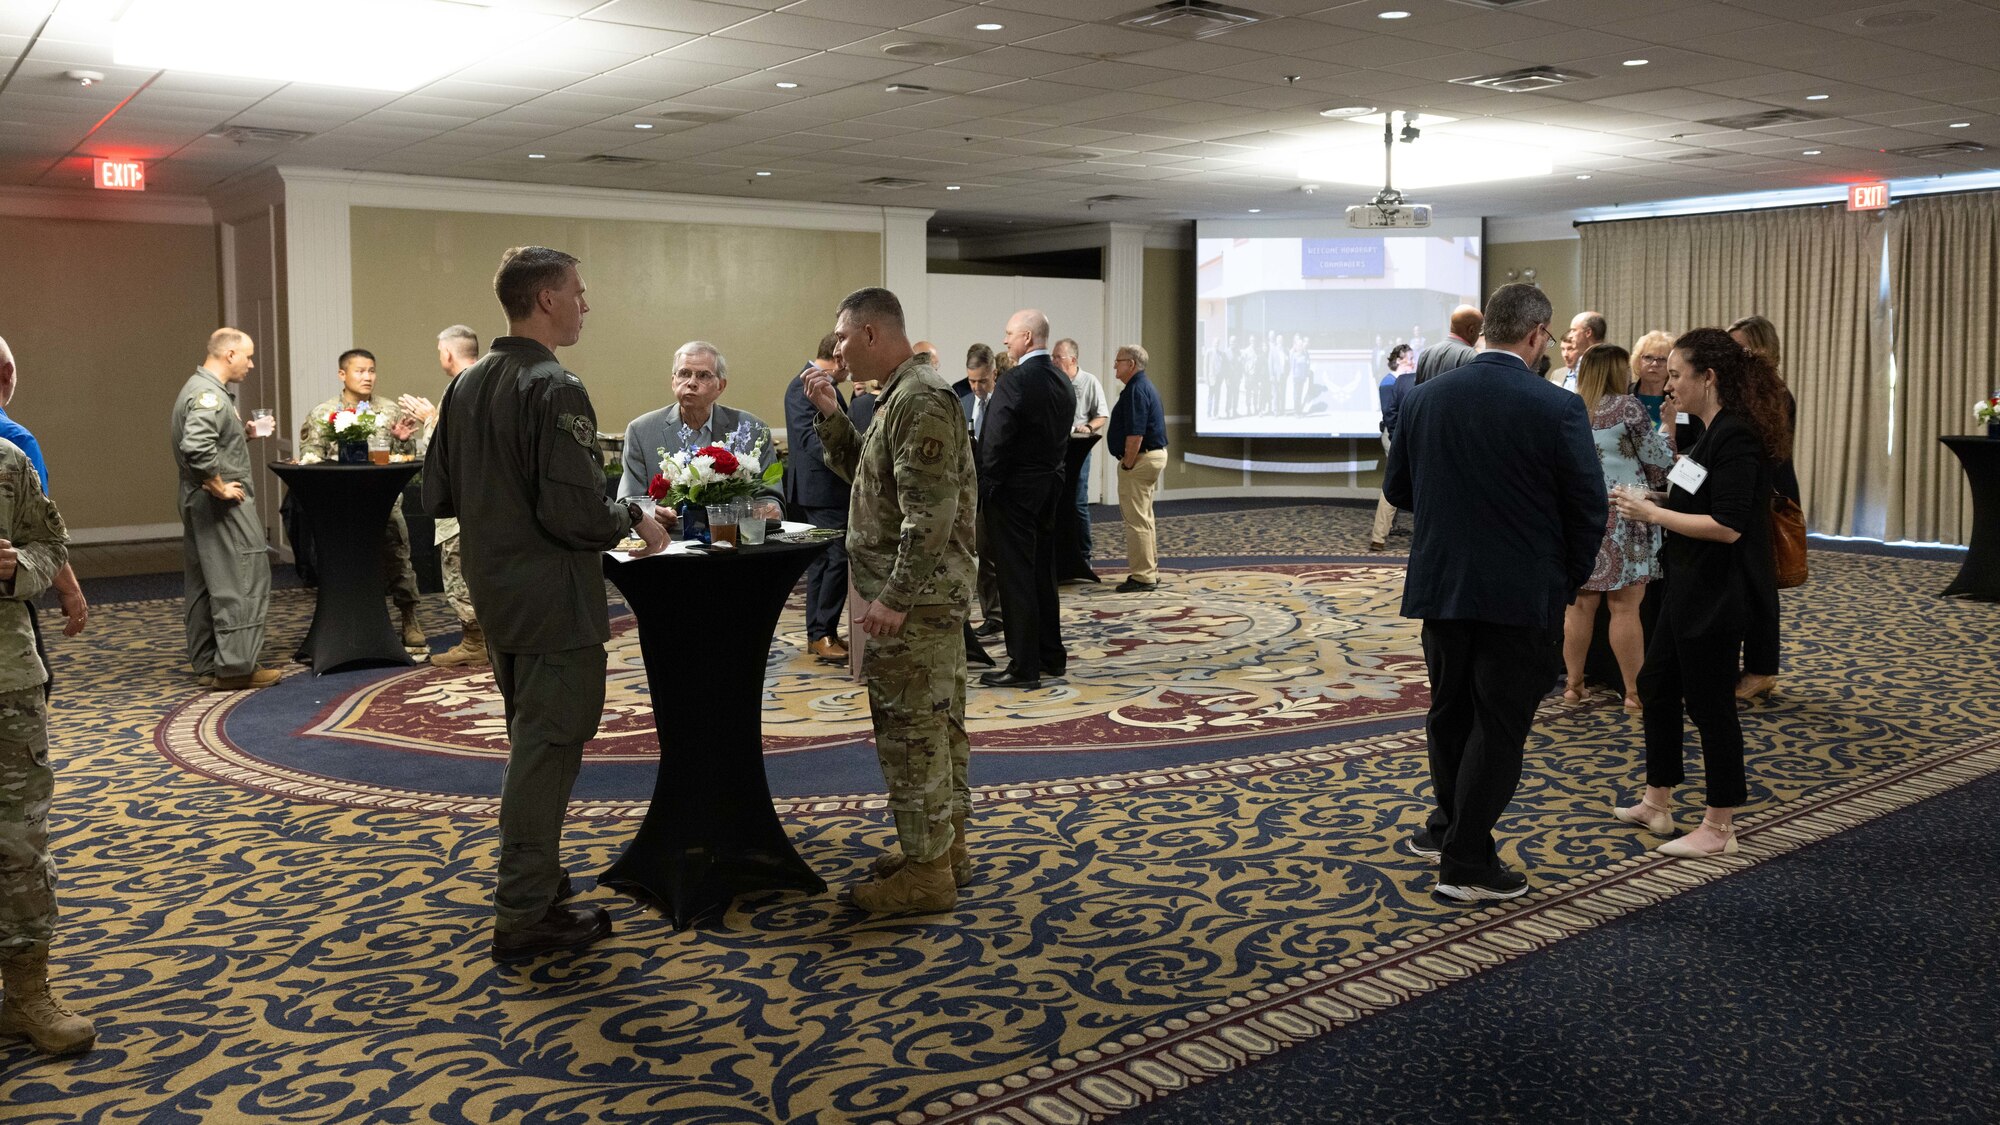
{"x":695,"y":16}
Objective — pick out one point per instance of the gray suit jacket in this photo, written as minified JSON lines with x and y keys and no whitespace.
{"x":660,"y":429}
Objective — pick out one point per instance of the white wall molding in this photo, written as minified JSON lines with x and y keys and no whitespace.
{"x":1170,"y":236}
{"x":1305,"y":492}
{"x":105,"y":206}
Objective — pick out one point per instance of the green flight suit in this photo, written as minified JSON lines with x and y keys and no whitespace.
{"x":910,"y":547}
{"x":27,"y":783}
{"x":227,"y":568}
{"x":397,"y":574}
{"x":515,"y":460}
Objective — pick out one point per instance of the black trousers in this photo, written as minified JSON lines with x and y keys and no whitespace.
{"x":1701,"y":670}
{"x":1760,"y":643}
{"x":1486,"y":681}
{"x":1023,"y":522}
{"x":826,"y":577}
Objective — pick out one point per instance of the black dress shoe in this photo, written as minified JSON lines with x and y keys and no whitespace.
{"x":980,"y":657}
{"x":563,"y":927}
{"x":1010,"y":679}
{"x":563,"y":888}
{"x":1134,"y":586}
{"x":989,"y":629}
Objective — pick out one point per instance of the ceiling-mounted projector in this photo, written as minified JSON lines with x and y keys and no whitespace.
{"x":1387,"y":211}
{"x":1388,"y":216}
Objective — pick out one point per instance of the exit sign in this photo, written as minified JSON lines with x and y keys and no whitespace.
{"x":1867,"y":197}
{"x":118,"y":175}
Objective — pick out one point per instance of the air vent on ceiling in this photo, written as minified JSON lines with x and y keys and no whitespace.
{"x":696,"y":116}
{"x":906,"y":88}
{"x":1525,"y":80}
{"x":1684,"y":157}
{"x":610,"y":160}
{"x":1937,"y":149}
{"x":1109,"y":199}
{"x":253,"y":134}
{"x":1500,"y":5}
{"x":1763,"y":120}
{"x":1896,"y":19}
{"x":891,"y":183}
{"x":925,"y":49}
{"x":1195,"y":19}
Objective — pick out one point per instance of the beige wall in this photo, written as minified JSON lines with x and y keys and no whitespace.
{"x":763,"y":295}
{"x":1558,"y":266}
{"x":106,"y":320}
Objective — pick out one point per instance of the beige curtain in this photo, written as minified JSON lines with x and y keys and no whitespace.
{"x":1816,"y":273}
{"x":1945,"y":277}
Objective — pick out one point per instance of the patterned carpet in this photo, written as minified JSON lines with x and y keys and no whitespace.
{"x":1153,"y":909}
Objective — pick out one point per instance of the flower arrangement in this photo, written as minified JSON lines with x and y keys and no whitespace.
{"x":343,"y":427}
{"x":1987,"y":409}
{"x":714,"y":474}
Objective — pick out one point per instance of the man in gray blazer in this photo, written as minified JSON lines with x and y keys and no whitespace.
{"x":695,"y":419}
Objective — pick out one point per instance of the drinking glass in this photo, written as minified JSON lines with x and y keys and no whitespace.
{"x":262,"y":422}
{"x":750,"y":522}
{"x":722,"y":523}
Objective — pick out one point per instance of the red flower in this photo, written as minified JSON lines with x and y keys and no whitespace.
{"x":725,"y":461}
{"x":659,"y":489}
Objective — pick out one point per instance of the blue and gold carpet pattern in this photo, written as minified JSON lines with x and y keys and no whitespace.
{"x":1187,"y":861}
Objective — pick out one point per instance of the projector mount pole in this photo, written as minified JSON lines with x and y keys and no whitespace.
{"x":1388,"y":197}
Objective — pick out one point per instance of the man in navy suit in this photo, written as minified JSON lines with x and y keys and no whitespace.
{"x":820,"y":497}
{"x":1500,"y":470}
{"x":1022,"y":449}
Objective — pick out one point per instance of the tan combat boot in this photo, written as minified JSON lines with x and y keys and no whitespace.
{"x":913,"y":888}
{"x":26,"y":1008}
{"x":961,"y":860}
{"x":413,"y":629}
{"x":470,"y":651}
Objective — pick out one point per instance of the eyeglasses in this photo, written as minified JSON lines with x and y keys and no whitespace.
{"x":691,"y":375}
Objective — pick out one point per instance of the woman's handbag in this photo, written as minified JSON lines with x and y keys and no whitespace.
{"x":1788,"y":542}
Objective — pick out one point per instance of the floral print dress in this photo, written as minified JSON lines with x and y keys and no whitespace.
{"x":1631,"y":451}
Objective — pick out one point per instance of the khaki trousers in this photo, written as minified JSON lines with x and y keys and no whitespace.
{"x":1385,"y":512}
{"x":1135,"y":504}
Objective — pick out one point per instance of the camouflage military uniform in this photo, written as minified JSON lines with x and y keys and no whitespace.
{"x":397,"y":573}
{"x":910,"y":547}
{"x":227,"y":569}
{"x":27,"y":875}
{"x":444,"y":536}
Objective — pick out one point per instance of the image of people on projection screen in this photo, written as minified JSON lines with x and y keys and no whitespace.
{"x":1293,"y":334}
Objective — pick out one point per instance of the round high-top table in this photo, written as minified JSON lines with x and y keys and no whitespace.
{"x":347,"y":509}
{"x":1979,"y":576}
{"x":706,"y":620}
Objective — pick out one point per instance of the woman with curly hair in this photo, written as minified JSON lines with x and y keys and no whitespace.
{"x":1716,"y":513}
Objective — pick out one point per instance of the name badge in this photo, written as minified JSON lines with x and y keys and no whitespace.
{"x":1688,"y":475}
{"x":1681,"y":419}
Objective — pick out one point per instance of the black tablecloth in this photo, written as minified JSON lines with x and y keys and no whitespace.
{"x":1979,"y":576}
{"x":347,"y":509}
{"x":1069,"y":557}
{"x":705,"y":627}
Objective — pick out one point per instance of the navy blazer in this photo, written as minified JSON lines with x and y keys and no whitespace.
{"x":1499,"y":467}
{"x":1025,"y":437}
{"x":808,"y":482}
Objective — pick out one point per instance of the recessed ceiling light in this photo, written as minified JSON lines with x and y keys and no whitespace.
{"x":1584,"y":176}
{"x":951,"y":187}
{"x":1347,"y":111}
{"x":989,"y":26}
{"x":1810,"y":152}
{"x":1392,"y":15}
{"x":763,"y":173}
{"x":1816,"y":97}
{"x":1637,"y":62}
{"x":538,"y":156}
{"x":642,"y":125}
{"x":1961,"y":124}
{"x":788,"y":85}
{"x":1256,"y":210}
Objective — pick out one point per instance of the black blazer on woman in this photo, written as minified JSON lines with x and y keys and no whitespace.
{"x":1710,"y":586}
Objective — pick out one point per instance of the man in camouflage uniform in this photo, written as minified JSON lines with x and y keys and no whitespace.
{"x":34,"y":546}
{"x":398,"y":432}
{"x":458,"y":349}
{"x":515,"y":460}
{"x":226,"y":567}
{"x":909,"y":550}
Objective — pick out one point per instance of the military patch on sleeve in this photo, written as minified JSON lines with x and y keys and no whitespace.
{"x":208,"y":401}
{"x":581,"y":428}
{"x":930,"y":450}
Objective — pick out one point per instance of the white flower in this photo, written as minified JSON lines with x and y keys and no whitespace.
{"x":747,"y":466}
{"x":343,"y":419}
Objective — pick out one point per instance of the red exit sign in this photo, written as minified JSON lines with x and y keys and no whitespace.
{"x":118,"y":175}
{"x":1867,"y":197}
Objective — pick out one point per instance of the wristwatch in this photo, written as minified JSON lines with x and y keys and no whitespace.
{"x":633,"y":509}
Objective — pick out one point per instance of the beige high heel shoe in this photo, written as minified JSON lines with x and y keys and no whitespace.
{"x":1750,"y":687}
{"x":1657,"y":819}
{"x":1682,"y":849}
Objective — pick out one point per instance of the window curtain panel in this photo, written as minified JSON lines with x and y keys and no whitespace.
{"x":1816,"y":273}
{"x":1945,"y":278}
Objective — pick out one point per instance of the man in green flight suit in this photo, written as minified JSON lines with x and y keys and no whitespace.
{"x":515,"y":459}
{"x":397,"y":431}
{"x":227,"y":569}
{"x":910,"y":554}
{"x":34,"y":546}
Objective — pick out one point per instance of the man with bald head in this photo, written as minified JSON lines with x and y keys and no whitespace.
{"x":1586,"y":331}
{"x":1455,"y":350}
{"x":1022,"y":451}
